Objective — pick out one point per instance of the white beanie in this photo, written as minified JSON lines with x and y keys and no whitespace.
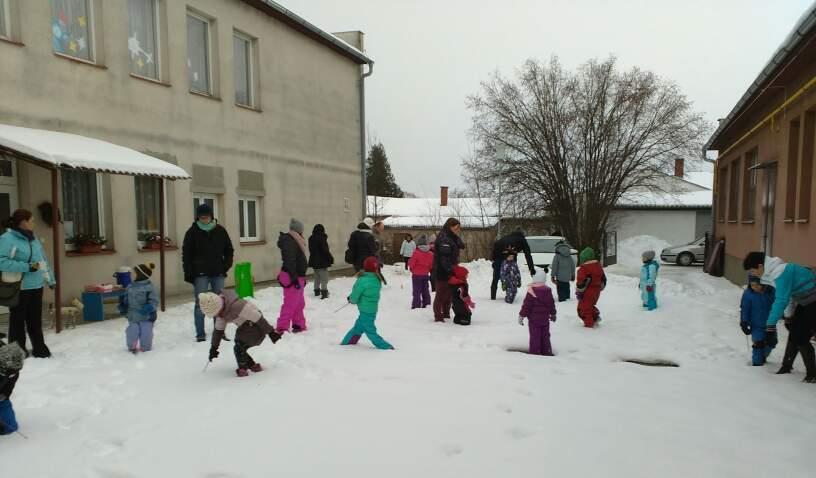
{"x":540,"y":277}
{"x":210,"y":303}
{"x":368,"y":222}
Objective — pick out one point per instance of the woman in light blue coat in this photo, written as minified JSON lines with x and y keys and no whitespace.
{"x":648,"y":280}
{"x":22,"y":259}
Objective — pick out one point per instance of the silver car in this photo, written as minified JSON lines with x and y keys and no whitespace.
{"x":686,"y":254}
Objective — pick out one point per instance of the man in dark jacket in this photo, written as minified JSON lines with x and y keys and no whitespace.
{"x":362,"y":244}
{"x":515,"y":242}
{"x":206,"y":256}
{"x":320,"y":259}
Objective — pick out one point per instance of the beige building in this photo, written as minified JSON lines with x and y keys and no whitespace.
{"x":263,"y":109}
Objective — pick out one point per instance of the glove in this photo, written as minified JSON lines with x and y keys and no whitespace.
{"x":532,"y":272}
{"x":787,"y":324}
{"x":552,"y":318}
{"x":34,"y":267}
{"x":518,"y":283}
{"x":771,"y":337}
{"x":649,"y":288}
{"x":746,"y":328}
{"x":521,"y":320}
{"x":579,"y":295}
{"x":295,"y":282}
{"x":213,"y":353}
{"x":274,"y":337}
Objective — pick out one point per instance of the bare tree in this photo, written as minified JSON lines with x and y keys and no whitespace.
{"x":576,"y":142}
{"x":376,"y":207}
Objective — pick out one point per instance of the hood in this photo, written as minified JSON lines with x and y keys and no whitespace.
{"x":774,"y":267}
{"x":319,"y":230}
{"x":424,"y":248}
{"x":563,"y":250}
{"x":363,"y":227}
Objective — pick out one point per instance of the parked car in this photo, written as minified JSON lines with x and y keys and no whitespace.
{"x":542,"y":249}
{"x":685,"y":255}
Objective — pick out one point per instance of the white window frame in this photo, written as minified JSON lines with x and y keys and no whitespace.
{"x":157,"y":28}
{"x":92,"y":46}
{"x":250,"y":67}
{"x":210,"y":85}
{"x":244,"y":218}
{"x":201,"y":197}
{"x":4,"y":6}
{"x":100,"y":208}
{"x":140,"y":242}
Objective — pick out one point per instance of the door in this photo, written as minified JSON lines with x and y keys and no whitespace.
{"x":769,"y":209}
{"x":610,"y":253}
{"x":8,"y":195}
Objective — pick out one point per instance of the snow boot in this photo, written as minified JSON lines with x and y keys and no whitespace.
{"x":201,"y":339}
{"x":809,"y":357}
{"x":317,"y":292}
{"x":296,"y":329}
{"x":788,"y":358}
{"x":256,"y":368}
{"x":242,"y":372}
{"x":324,"y":294}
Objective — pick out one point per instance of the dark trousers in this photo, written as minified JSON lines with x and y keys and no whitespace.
{"x":241,"y":355}
{"x":442,"y":301}
{"x":421,"y":291}
{"x":497,"y":265}
{"x":802,"y":328}
{"x":563,"y":290}
{"x":27,"y":316}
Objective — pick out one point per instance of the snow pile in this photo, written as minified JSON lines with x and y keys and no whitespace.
{"x":450,"y":401}
{"x":630,"y":249}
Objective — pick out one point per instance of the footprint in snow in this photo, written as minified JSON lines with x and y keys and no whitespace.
{"x":520,"y":433}
{"x":107,"y":448}
{"x":451,"y":450}
{"x":525,"y":392}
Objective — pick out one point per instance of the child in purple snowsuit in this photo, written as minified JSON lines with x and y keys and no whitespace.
{"x":539,"y":310}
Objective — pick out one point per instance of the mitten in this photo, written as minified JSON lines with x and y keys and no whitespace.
{"x":746,"y":328}
{"x":552,"y":318}
{"x":213,"y":353}
{"x":771,"y":337}
{"x":579,"y":295}
{"x":518,"y":282}
{"x":521,"y":320}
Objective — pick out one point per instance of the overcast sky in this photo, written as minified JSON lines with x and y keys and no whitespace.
{"x":431,"y":54}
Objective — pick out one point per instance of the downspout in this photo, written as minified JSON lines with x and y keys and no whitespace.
{"x":363,"y":135}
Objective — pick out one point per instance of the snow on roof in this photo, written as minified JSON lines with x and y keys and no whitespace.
{"x":660,"y":200}
{"x":80,"y":152}
{"x":701,"y":178}
{"x":430,"y":222}
{"x":427,"y":212}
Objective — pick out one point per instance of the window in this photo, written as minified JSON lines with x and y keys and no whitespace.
{"x":244,"y":69}
{"x":733,"y":191}
{"x":5,"y":19}
{"x":806,"y":186}
{"x":81,"y":205}
{"x":147,"y":207}
{"x":199,"y":199}
{"x":793,"y":169}
{"x":72,"y":28}
{"x":143,"y":38}
{"x":749,"y":179}
{"x":722,"y":181}
{"x":248,"y":215}
{"x":199,"y":59}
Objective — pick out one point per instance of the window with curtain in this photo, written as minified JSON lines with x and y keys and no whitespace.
{"x":242,"y":64}
{"x":147,"y":207}
{"x":4,"y":19}
{"x":71,"y":28}
{"x":248,"y":215}
{"x":143,"y":40}
{"x":198,"y":54}
{"x":80,"y":203}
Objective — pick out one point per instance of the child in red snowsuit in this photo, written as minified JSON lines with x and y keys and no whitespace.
{"x":462,"y":303}
{"x":591,"y":281}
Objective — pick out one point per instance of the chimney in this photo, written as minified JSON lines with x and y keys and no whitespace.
{"x":443,"y":196}
{"x":679,"y":166}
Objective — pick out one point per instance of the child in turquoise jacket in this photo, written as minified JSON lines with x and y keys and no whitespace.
{"x":366,"y":294}
{"x":648,"y":280}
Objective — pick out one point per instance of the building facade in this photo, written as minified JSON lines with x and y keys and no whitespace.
{"x":764,"y":196}
{"x":260,"y":107}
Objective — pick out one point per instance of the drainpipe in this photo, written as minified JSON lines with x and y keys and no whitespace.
{"x":363,"y":135}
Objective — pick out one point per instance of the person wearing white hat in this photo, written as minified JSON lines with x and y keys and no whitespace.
{"x":539,"y":310}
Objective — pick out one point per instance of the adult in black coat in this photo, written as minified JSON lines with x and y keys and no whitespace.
{"x":320,"y":259}
{"x":362,"y":244}
{"x":206,"y":257}
{"x":447,"y":247}
{"x":513,"y":243}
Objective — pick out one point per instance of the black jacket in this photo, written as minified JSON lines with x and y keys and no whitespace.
{"x":292,"y":257}
{"x":362,"y":245}
{"x":446,"y":254}
{"x":206,"y":253}
{"x":320,"y":256}
{"x":514,"y":242}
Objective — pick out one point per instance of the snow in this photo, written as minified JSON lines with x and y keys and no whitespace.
{"x":80,"y":152}
{"x":630,"y":249}
{"x":450,"y":401}
{"x":701,"y":178}
{"x":656,"y":199}
{"x":428,"y":212}
{"x":439,"y":221}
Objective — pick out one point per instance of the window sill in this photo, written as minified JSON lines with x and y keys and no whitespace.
{"x":802,"y":221}
{"x":250,"y":108}
{"x":253,"y":243}
{"x":11,"y":42}
{"x":732,"y":221}
{"x":103,"y":252}
{"x":150,"y":80}
{"x":788,"y":221}
{"x":151,"y":249}
{"x":205,"y":95}
{"x":80,"y":61}
{"x":748,"y":221}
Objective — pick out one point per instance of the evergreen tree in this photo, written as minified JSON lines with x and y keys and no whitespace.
{"x":379,"y":178}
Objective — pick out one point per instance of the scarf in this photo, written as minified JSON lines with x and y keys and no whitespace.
{"x":27,"y":234}
{"x":206,"y":227}
{"x":300,"y":241}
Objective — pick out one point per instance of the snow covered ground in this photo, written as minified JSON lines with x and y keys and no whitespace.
{"x":450,"y":401}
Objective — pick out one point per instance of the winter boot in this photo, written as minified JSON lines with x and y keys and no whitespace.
{"x":317,"y":292}
{"x":296,"y":329}
{"x":809,"y":357}
{"x":324,"y":294}
{"x":242,"y":372}
{"x":787,"y":360}
{"x":256,"y":368}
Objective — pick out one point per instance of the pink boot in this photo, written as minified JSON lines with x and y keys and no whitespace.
{"x":242,"y":372}
{"x":256,"y":368}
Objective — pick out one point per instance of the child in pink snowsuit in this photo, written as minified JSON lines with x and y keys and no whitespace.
{"x":539,"y":309}
{"x":292,"y":278}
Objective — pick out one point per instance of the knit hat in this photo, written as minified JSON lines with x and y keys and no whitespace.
{"x":11,"y":357}
{"x":210,"y":303}
{"x":368,"y":222}
{"x":144,"y":271}
{"x":297,"y":226}
{"x":371,"y":264}
{"x":648,"y":256}
{"x":587,"y":254}
{"x":422,"y":240}
{"x":204,"y":209}
{"x":753,"y":260}
{"x":540,"y":277}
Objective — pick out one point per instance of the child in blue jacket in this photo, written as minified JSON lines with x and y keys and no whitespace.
{"x":139,"y":306}
{"x":648,"y":280}
{"x":11,"y":362}
{"x":754,"y":311}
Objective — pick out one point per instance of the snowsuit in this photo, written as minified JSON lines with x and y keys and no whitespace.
{"x":421,"y":263}
{"x":591,"y":281}
{"x":320,"y":259}
{"x":460,"y":296}
{"x":513,"y":243}
{"x":253,"y":328}
{"x":754,"y":310}
{"x":8,"y":379}
{"x":511,"y":280}
{"x":648,"y":284}
{"x":366,"y":294}
{"x":563,"y":271}
{"x":539,"y":309}
{"x":361,"y":244}
{"x":446,"y":257}
{"x":292,"y":278}
{"x":139,"y":306}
